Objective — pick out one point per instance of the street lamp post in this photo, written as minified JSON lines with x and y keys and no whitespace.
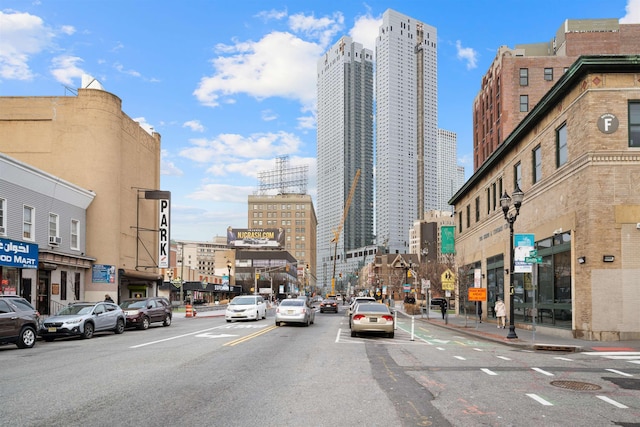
{"x":229,"y":269}
{"x":505,"y":202}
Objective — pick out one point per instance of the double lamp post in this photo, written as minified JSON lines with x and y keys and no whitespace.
{"x":505,"y":203}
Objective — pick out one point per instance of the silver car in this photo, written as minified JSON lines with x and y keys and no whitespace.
{"x":372,"y":317}
{"x":83,"y":319}
{"x":295,"y":311}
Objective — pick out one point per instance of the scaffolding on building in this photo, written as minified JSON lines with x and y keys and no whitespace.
{"x":284,"y":179}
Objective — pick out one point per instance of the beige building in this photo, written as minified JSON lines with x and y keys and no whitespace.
{"x":576,"y":157}
{"x":518,"y":78}
{"x":296,"y":215}
{"x":89,"y":141}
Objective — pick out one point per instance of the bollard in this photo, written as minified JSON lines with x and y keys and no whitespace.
{"x":189,"y":312}
{"x":412,"y":326}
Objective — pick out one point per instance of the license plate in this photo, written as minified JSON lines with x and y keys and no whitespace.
{"x":52,"y":329}
{"x":373,"y":319}
{"x":290,"y":312}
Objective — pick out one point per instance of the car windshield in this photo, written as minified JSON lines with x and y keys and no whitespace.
{"x":132,"y":304}
{"x":243,"y":301}
{"x":292,"y":302}
{"x":75,"y":309}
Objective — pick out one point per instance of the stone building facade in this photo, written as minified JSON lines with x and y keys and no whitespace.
{"x":89,"y":141}
{"x":576,"y":157}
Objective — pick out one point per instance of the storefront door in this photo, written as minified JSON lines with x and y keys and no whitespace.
{"x":42,"y":304}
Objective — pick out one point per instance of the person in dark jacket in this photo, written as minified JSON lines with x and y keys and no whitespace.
{"x":107,"y":298}
{"x":443,"y":308}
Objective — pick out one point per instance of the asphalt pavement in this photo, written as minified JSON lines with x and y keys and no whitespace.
{"x":528,"y":336}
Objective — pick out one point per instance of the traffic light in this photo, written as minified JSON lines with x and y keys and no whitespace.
{"x":409,"y":274}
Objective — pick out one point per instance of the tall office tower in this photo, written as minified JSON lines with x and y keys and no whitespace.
{"x":406,"y":127}
{"x":448,"y":178}
{"x":518,"y":78}
{"x":345,"y":145}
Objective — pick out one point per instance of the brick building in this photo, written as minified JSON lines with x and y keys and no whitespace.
{"x":518,"y":78}
{"x":576,"y":157}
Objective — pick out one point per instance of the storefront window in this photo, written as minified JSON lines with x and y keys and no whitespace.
{"x":554,"y":280}
{"x":9,"y":280}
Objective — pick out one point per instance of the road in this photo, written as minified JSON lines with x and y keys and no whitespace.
{"x":206,"y":372}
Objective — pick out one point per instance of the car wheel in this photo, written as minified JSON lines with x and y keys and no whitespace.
{"x":307,"y":322}
{"x":390,"y":334}
{"x":88,"y":330}
{"x":264,"y":316}
{"x":353,"y":333}
{"x":27,"y":337}
{"x":277,"y":323}
{"x":257,"y":316}
{"x":167,"y":321}
{"x":145,"y":323}
{"x":119,"y":326}
{"x":228,"y":320}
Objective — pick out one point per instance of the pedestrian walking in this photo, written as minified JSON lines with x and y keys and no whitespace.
{"x":501,"y":313}
{"x":443,"y":308}
{"x":479,"y":310}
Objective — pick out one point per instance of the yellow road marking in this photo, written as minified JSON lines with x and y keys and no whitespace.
{"x":250,"y":336}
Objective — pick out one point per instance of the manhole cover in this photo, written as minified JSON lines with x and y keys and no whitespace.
{"x":576,"y":385}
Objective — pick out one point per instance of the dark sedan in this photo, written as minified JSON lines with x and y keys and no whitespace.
{"x":329,"y":305}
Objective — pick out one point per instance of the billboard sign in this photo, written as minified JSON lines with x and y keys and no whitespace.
{"x":523,"y":244}
{"x":448,"y":239}
{"x":18,"y":254}
{"x":255,"y":237}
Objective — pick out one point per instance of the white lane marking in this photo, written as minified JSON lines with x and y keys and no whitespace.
{"x":539,"y":399}
{"x":488,"y":371}
{"x":613,"y":402}
{"x":549,"y":374}
{"x":338,"y":336}
{"x":564,"y":358}
{"x":175,"y":337}
{"x":615,"y":371}
{"x":503,"y":357}
{"x":459,"y":357}
{"x":634,"y":361}
{"x":206,"y":335}
{"x":616,"y":355}
{"x":440,"y":348}
{"x":477,"y":349}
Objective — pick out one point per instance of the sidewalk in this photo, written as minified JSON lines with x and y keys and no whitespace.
{"x":542,"y":338}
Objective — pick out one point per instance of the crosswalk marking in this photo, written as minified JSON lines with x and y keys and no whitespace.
{"x":488,"y":371}
{"x":539,"y":399}
{"x":503,"y":357}
{"x":615,"y":371}
{"x":549,"y":374}
{"x":613,"y":402}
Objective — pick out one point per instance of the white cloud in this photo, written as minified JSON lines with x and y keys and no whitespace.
{"x":467,"y":54}
{"x":268,"y":115}
{"x":22,"y":36}
{"x":365,"y":31}
{"x":268,"y":15}
{"x":167,"y":167}
{"x":68,"y":30}
{"x":194,"y":125}
{"x":278,"y":65}
{"x":144,"y":124}
{"x":222,"y":193}
{"x":633,"y":13}
{"x":321,"y":29}
{"x":122,"y":70}
{"x":229,"y":147}
{"x":65,"y":68}
{"x":306,"y":122}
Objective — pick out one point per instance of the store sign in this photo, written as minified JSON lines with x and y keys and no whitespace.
{"x":608,"y":123}
{"x":18,"y":254}
{"x":102,"y":273}
{"x":163,"y":240}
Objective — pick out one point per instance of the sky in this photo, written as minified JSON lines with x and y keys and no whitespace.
{"x":231,"y":86}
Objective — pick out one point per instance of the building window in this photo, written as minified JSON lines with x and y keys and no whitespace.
{"x":517,"y":175}
{"x":548,"y":74}
{"x":537,"y":164}
{"x":524,"y":77}
{"x":477,"y":209}
{"x":524,"y":103}
{"x":3,"y":226}
{"x":76,"y":286}
{"x":561,"y":145}
{"x":28,"y":215}
{"x":634,"y":124}
{"x":75,"y":234}
{"x":53,"y":225}
{"x":468,"y":216}
{"x":459,"y":222}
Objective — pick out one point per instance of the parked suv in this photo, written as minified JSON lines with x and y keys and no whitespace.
{"x":141,"y":312}
{"x":83,"y":318}
{"x":19,"y":322}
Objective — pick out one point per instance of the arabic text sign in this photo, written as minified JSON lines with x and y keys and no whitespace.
{"x":18,"y":254}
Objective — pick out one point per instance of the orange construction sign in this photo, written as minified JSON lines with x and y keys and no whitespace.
{"x":477,"y":294}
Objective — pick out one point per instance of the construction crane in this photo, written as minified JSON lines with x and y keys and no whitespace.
{"x":336,"y":233}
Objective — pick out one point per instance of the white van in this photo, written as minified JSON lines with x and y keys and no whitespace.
{"x":246,"y":307}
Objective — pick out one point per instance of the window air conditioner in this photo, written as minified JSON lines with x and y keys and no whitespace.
{"x":54,"y":241}
{"x":2,"y":230}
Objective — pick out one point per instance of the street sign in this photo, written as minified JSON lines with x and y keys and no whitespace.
{"x":448,"y":280}
{"x":477,"y":294}
{"x":533,"y":259}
